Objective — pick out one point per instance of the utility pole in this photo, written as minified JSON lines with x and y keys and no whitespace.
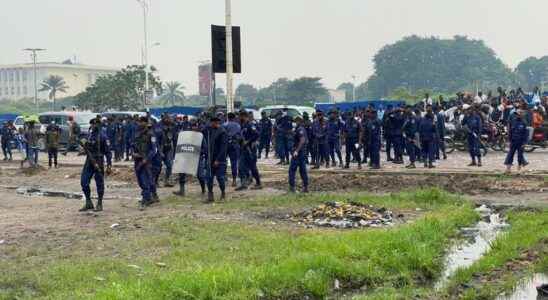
{"x":229,"y":63}
{"x":144,"y":4}
{"x":353,"y":88}
{"x":34,"y":56}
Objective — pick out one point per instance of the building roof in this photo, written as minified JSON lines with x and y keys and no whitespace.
{"x":54,"y":65}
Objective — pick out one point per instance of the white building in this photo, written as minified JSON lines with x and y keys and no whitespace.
{"x":337,"y":96}
{"x":17,"y":81}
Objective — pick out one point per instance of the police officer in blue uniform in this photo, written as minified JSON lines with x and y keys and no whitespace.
{"x":397,"y":119}
{"x":319,"y":132}
{"x":410,"y":132}
{"x":248,"y":161}
{"x":165,"y":147}
{"x":519,"y":135}
{"x":334,"y":128}
{"x":234,"y":133}
{"x":374,"y":129}
{"x":352,"y":133}
{"x":265,"y":126}
{"x":201,"y":172}
{"x":144,"y":153}
{"x":96,"y":148}
{"x":473,"y":125}
{"x":216,"y":141}
{"x":129,"y":135}
{"x":283,"y":131}
{"x":7,"y":134}
{"x":298,"y":156}
{"x":427,"y":132}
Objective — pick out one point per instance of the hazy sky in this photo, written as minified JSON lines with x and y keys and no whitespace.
{"x":280,"y":38}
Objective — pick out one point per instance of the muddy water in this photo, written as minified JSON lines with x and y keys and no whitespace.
{"x":477,"y":242}
{"x":527,"y":289}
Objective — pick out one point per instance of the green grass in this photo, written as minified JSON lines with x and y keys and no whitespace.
{"x":237,"y":260}
{"x":529,"y":230}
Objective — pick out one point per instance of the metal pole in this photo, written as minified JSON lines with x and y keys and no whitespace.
{"x":145,"y":49}
{"x":229,"y":63}
{"x":35,"y":80}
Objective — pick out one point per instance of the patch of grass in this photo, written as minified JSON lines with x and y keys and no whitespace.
{"x":233,"y":260}
{"x":529,"y":230}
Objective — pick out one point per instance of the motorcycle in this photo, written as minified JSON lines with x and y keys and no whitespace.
{"x":537,"y":141}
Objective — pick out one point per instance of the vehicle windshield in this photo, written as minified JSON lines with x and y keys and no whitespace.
{"x":58,"y":119}
{"x":19,"y":121}
{"x":83,"y":119}
{"x":272,"y":112}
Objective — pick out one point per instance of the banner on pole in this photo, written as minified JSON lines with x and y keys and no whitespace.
{"x":218,"y":46}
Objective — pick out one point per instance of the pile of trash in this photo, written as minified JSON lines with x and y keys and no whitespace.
{"x":344,"y":215}
{"x":41,"y":192}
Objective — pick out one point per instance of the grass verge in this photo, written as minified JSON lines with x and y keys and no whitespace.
{"x":193,"y":259}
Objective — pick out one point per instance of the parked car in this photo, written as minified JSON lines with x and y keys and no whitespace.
{"x":292,"y":110}
{"x":61,"y":120}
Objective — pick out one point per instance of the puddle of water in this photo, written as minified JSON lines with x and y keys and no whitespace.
{"x":477,"y":242}
{"x":527,"y":289}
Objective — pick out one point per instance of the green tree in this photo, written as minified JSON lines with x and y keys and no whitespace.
{"x":173,"y":93}
{"x":442,"y":65}
{"x":123,"y":90}
{"x":54,"y":84}
{"x":306,"y":91}
{"x":246,"y":93}
{"x":348,"y":88}
{"x":532,"y":72}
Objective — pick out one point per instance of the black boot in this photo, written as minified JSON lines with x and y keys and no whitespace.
{"x":479,"y":161}
{"x":180,"y":192}
{"x":411,"y":166}
{"x":223,"y":195}
{"x":99,"y":206}
{"x":210,"y":197}
{"x":305,"y":190}
{"x":88,"y":205}
{"x":155,"y":198}
{"x":292,"y":189}
{"x":234,"y":182}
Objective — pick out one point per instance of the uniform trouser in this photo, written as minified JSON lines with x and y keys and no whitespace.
{"x":427,"y":151}
{"x":248,"y":164}
{"x":167,"y":160}
{"x":52,"y":156}
{"x":352,"y":150}
{"x":410,"y":147}
{"x":375,"y":154}
{"x":388,"y":147}
{"x":397,"y":142}
{"x":264,"y":144}
{"x":313,"y":149}
{"x":322,"y":154}
{"x":6,"y":148}
{"x":298,"y":162}
{"x":71,"y":143}
{"x":219,"y":172}
{"x":88,"y":173}
{"x":145,"y":180}
{"x":128,"y":149}
{"x":474,"y":147}
{"x":515,"y":147}
{"x":233,"y":153}
{"x":335,"y":148}
{"x":366,"y":152}
{"x":201,"y":180}
{"x":284,"y":147}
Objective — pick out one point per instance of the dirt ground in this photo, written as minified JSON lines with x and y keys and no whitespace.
{"x":28,"y":219}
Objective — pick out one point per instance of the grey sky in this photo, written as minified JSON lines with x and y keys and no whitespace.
{"x":329,"y":38}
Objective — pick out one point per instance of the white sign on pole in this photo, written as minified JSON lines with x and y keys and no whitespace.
{"x":187,"y":153}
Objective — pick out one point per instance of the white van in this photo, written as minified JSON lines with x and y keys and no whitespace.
{"x":292,"y":110}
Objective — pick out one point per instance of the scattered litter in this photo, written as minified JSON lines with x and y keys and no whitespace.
{"x":99,"y":278}
{"x":337,"y":284}
{"x":344,"y":215}
{"x":2,"y":242}
{"x":161,"y":265}
{"x":115,"y":225}
{"x":41,"y":192}
{"x":136,"y":267}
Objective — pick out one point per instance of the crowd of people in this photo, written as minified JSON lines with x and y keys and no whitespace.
{"x":415,"y":133}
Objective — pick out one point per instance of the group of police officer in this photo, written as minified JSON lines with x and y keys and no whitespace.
{"x":236,"y":137}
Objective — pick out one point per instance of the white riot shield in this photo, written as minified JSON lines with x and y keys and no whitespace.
{"x":187,"y":153}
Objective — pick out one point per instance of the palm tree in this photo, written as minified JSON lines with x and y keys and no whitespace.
{"x":173,"y":93}
{"x":54,"y":84}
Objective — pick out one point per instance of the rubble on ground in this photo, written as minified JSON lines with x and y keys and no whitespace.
{"x":344,"y":215}
{"x":39,"y":191}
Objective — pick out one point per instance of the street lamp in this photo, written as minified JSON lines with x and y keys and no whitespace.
{"x":33,"y":52}
{"x":144,"y":5}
